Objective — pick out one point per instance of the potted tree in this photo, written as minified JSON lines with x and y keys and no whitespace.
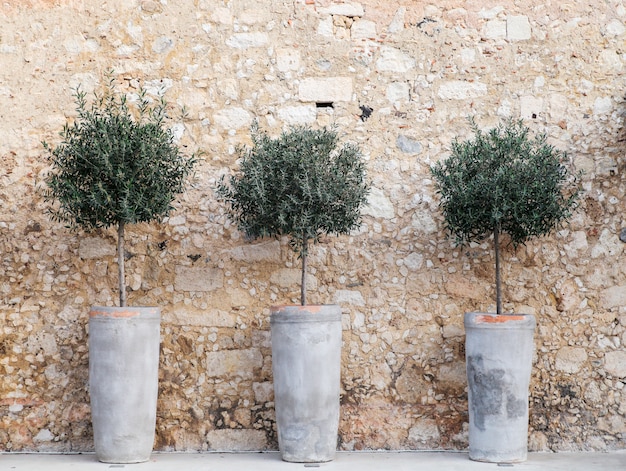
{"x":301,"y":185}
{"x":502,"y":182}
{"x":118,"y":165}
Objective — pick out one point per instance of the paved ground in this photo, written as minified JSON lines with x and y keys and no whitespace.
{"x":363,"y":461}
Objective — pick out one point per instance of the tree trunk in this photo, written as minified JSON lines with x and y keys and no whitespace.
{"x":120,"y":263}
{"x":303,"y":254}
{"x":496,"y":246}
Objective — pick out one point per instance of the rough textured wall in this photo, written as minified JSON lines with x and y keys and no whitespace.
{"x":402,"y":77}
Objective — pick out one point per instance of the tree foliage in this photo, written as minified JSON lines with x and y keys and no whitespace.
{"x":301,"y":184}
{"x":505,"y":182}
{"x":115,"y":165}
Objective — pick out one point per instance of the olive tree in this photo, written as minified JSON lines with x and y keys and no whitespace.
{"x":504,"y":181}
{"x":116,"y":164}
{"x":301,"y":185}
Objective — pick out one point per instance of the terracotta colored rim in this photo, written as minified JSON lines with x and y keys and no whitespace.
{"x":123,"y":312}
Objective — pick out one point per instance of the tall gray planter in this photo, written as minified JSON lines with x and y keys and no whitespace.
{"x":499,"y":351}
{"x":306,"y":363}
{"x":123,"y":381}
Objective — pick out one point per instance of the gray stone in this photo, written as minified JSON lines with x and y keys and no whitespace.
{"x":408,"y":145}
{"x":622,"y":234}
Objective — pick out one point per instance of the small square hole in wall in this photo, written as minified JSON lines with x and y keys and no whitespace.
{"x":325,"y":104}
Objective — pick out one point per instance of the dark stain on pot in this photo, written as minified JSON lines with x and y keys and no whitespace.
{"x":492,"y":382}
{"x":498,"y":394}
{"x":515,"y":407}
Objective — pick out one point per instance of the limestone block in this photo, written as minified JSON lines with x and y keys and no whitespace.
{"x":611,"y":61}
{"x":95,"y":247}
{"x":615,"y":363}
{"x":212,"y":318}
{"x":394,"y":60}
{"x":265,"y":251}
{"x":254,"y":16}
{"x":461,"y":90}
{"x":408,"y":145}
{"x":491,"y":13}
{"x":458,"y":286}
{"x":452,"y":330}
{"x":325,"y":27}
{"x":570,"y":359}
{"x":343,"y":9}
{"x":414,"y":261}
{"x":608,"y":243}
{"x":234,"y":440}
{"x":530,"y":106}
{"x":162,"y":44}
{"x":612,"y":424}
{"x":295,"y":115}
{"x":325,"y":89}
{"x":352,"y":297}
{"x":290,"y":277}
{"x":615,"y":28}
{"x":232,"y":118}
{"x":198,"y":279}
{"x":398,"y":92}
{"x":558,"y":106}
{"x":517,"y":28}
{"x":425,"y":431}
{"x":287,"y":59}
{"x":263,"y":392}
{"x":220,"y":15}
{"x":363,"y":29}
{"x":602,"y":105}
{"x":248,"y":40}
{"x":422,"y":221}
{"x":378,"y":205}
{"x":397,"y":23}
{"x":230,"y":364}
{"x":495,"y":29}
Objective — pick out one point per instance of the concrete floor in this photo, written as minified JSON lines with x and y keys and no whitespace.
{"x":345,"y":461}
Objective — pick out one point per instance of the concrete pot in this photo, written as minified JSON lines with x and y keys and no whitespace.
{"x":123,"y":381}
{"x":306,"y":363}
{"x":499,"y":351}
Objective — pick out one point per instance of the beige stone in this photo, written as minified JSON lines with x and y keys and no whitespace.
{"x":198,"y":279}
{"x":234,"y":363}
{"x":570,"y":359}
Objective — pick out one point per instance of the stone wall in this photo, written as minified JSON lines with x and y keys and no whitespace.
{"x":399,"y":79}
